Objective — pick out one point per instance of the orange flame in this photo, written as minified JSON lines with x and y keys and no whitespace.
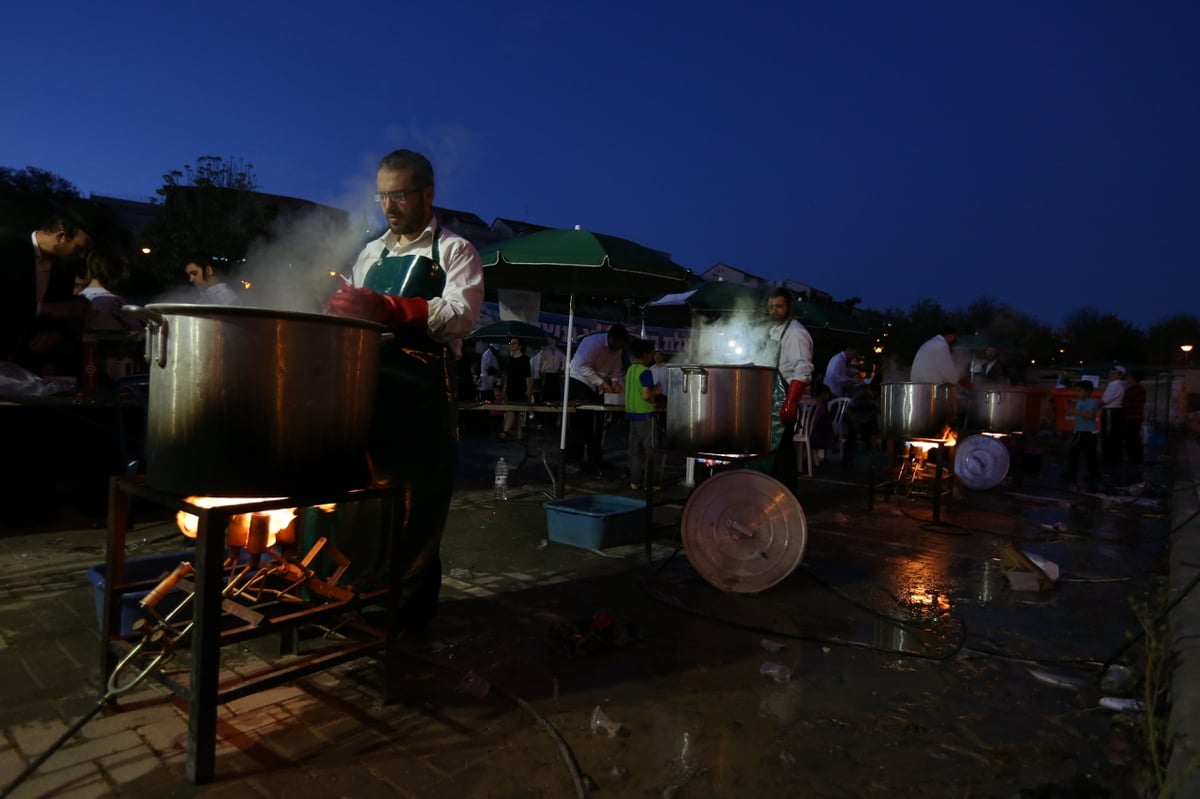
{"x":239,"y":525}
{"x":948,"y":439}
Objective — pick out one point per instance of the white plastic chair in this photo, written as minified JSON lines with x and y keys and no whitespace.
{"x":803,"y":442}
{"x":838,"y":408}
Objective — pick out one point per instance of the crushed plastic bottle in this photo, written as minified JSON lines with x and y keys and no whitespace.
{"x":1117,"y":680}
{"x":601,"y":724}
{"x":501,"y":480}
{"x":776,"y":671}
{"x":473,"y":685}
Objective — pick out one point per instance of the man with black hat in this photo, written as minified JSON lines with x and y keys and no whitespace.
{"x":38,"y":307}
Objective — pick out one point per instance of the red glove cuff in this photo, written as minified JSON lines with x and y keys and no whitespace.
{"x":397,"y":312}
{"x":791,"y":405}
{"x":405,"y":312}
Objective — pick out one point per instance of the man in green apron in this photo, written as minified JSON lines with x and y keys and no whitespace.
{"x":793,"y":373}
{"x":426,"y":283}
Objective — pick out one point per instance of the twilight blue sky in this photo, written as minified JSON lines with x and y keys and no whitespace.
{"x":1042,"y":153}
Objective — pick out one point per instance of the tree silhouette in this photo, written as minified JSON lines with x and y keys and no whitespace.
{"x":26,"y":195}
{"x":210,"y":206}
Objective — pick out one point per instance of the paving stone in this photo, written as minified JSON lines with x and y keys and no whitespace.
{"x":166,"y":736}
{"x":132,"y":764}
{"x":294,"y":743}
{"x":86,"y":751}
{"x":270,"y":696}
{"x":135,"y":718}
{"x":80,"y":781}
{"x":11,"y":764}
{"x":36,"y":737}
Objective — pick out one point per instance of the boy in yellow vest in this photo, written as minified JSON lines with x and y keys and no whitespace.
{"x":640,"y":391}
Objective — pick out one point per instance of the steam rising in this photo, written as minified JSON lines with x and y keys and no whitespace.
{"x":296,"y":269}
{"x":740,"y":338}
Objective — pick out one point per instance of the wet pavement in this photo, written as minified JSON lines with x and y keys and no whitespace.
{"x":897,"y":660}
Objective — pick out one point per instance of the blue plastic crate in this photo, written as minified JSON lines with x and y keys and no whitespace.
{"x":149,"y":567}
{"x":596,"y":521}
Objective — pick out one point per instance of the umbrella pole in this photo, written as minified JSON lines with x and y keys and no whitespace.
{"x":560,"y":488}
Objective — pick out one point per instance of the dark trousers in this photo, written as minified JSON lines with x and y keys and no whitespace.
{"x":786,"y":467}
{"x":585,"y":437}
{"x":552,"y":387}
{"x":641,"y":442}
{"x":1114,"y":435}
{"x":1133,"y":441}
{"x":1083,"y":443}
{"x":413,"y":445}
{"x":855,"y":432}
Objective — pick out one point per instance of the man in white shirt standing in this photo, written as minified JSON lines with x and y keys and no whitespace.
{"x":596,"y":369}
{"x":425,"y":283}
{"x":840,"y":376}
{"x":548,"y":366}
{"x":794,"y":370}
{"x":1112,"y":424}
{"x":489,"y":370}
{"x":933,"y":362}
{"x":659,"y":370}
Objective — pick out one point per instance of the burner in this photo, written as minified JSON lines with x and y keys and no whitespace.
{"x":234,"y":569}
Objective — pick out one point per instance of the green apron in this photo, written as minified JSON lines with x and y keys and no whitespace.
{"x":771,"y":352}
{"x":413,"y":443}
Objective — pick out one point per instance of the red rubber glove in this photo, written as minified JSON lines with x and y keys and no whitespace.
{"x":791,"y":404}
{"x":397,"y":312}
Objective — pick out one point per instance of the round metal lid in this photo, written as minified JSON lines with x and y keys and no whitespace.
{"x":743,"y":531}
{"x":980,"y":462}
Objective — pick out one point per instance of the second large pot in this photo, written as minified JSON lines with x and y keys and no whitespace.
{"x":916,"y":410}
{"x":718,"y":409}
{"x":248,"y":402}
{"x":998,"y":411}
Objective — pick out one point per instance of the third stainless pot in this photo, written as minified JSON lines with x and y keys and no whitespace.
{"x":252,"y":402}
{"x":718,"y":409}
{"x":916,"y":410}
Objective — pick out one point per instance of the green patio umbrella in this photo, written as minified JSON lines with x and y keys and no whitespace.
{"x":509,"y":329}
{"x":707,"y":298}
{"x":823,"y":317}
{"x":568,"y":262}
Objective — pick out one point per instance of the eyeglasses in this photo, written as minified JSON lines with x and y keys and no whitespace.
{"x":395,"y":196}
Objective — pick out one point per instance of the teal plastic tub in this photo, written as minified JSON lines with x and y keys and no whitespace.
{"x":596,"y":521}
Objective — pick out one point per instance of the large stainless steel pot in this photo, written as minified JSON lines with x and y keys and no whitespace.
{"x":916,"y":410}
{"x":253,"y":402}
{"x":719,"y":409}
{"x":998,"y":411}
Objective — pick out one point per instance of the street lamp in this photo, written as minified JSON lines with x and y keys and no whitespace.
{"x":1187,"y":349}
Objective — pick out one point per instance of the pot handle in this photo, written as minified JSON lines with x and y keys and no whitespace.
{"x":154,"y":321}
{"x":695,"y":370}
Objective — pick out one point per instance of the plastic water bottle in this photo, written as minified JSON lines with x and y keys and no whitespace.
{"x":501,"y":480}
{"x":776,"y":671}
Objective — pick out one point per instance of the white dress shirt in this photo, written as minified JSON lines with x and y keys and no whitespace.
{"x":594,"y":363}
{"x":795,"y":351}
{"x":837,"y":376}
{"x":452,"y":315}
{"x":933,"y":363}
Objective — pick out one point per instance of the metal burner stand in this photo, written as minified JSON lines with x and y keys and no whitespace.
{"x":943,"y":479}
{"x":204,"y":692}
